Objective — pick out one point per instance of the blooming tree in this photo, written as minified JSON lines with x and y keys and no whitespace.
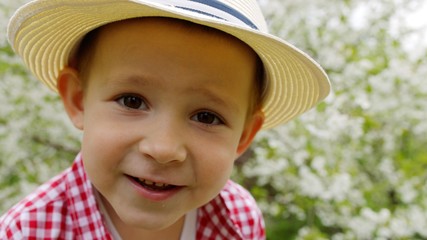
{"x":352,"y":168}
{"x":37,"y":140}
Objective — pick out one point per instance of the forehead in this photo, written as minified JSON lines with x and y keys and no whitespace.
{"x":178,"y":25}
{"x":173,"y":43}
{"x":162,"y":34}
{"x":84,"y":56}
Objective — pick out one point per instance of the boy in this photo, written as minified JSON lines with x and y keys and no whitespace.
{"x":168,"y":94}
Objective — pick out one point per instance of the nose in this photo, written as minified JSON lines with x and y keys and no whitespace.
{"x":163,"y":143}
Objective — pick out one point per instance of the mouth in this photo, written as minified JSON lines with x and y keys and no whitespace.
{"x":153,"y":186}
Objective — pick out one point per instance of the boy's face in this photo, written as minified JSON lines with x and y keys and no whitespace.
{"x":164,"y":114}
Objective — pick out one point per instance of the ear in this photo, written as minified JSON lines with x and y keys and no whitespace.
{"x":252,"y":127}
{"x":71,"y":91}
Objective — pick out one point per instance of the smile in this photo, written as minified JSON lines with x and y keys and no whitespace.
{"x":153,"y":186}
{"x":154,"y":191}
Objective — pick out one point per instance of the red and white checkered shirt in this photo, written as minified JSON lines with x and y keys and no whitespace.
{"x":66,"y":208}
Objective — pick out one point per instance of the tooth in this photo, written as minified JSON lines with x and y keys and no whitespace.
{"x":148,"y":182}
{"x":161,"y":184}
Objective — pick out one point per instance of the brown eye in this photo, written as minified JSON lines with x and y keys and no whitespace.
{"x":132,"y":102}
{"x":207,"y":118}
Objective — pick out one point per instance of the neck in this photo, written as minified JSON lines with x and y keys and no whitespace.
{"x":128,"y":232}
{"x":131,"y":233}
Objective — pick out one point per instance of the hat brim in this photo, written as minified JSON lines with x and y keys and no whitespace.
{"x":44,"y":34}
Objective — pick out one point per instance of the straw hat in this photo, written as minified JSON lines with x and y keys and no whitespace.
{"x":45,"y":32}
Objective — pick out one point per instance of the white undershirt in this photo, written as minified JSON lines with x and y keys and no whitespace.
{"x":188,"y":231}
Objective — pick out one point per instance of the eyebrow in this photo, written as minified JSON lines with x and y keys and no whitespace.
{"x":215,"y":98}
{"x":128,"y":80}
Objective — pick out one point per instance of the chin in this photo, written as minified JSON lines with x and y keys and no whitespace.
{"x":149,"y":223}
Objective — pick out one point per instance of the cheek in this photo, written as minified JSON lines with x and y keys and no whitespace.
{"x":97,"y":141}
{"x":210,"y":179}
{"x":213,"y":163}
{"x":102,"y":146}
{"x":102,"y":133}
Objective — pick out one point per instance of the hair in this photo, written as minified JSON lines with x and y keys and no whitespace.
{"x":83,"y":58}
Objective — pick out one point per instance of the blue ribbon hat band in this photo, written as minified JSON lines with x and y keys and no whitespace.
{"x":213,"y":8}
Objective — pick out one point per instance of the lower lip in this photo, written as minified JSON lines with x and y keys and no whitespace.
{"x":156,"y":196}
